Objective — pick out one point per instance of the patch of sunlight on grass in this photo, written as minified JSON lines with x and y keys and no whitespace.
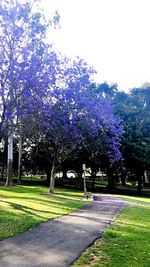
{"x":22,"y":207}
{"x":126,"y":242}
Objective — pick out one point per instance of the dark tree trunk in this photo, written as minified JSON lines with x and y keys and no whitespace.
{"x":93,"y":174}
{"x":139,"y":187}
{"x":2,"y":171}
{"x":64,"y":171}
{"x":111,"y":180}
{"x":48,"y":176}
{"x":140,"y":173}
{"x":93,"y":182}
{"x":123,"y":180}
{"x":79,"y":174}
{"x":4,"y":155}
{"x":20,"y":161}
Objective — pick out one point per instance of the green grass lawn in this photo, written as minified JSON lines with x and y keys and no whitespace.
{"x":126,"y":243}
{"x":22,"y":207}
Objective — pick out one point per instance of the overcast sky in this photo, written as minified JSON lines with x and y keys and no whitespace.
{"x":113,"y":36}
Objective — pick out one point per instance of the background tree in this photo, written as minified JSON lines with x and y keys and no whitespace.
{"x":134,"y":108}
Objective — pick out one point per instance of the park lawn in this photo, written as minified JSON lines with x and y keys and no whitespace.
{"x":22,"y":207}
{"x":126,"y":243}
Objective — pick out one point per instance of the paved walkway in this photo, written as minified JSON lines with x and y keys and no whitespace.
{"x":57,"y":243}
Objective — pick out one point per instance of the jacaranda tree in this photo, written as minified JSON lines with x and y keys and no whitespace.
{"x":49,"y":93}
{"x":24,"y":72}
{"x":75,"y":118}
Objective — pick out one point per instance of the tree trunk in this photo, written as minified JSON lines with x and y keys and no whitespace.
{"x":79,"y":174}
{"x":9,"y":180}
{"x":93,"y":182}
{"x":20,"y":160}
{"x":64,"y":171}
{"x":123,"y":180}
{"x":140,"y":174}
{"x":111,"y":180}
{"x":93,"y":174}
{"x":3,"y":159}
{"x":139,"y":187}
{"x":3,"y":162}
{"x":52,"y":181}
{"x":2,"y":171}
{"x":84,"y":183}
{"x":48,"y":176}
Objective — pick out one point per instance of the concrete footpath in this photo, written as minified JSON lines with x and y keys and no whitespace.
{"x":57,"y":243}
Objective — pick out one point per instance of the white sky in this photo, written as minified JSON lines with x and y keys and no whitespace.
{"x":111,"y":35}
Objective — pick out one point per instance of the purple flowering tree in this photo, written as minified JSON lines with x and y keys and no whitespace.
{"x":41,"y":88}
{"x":58,"y":119}
{"x":24,"y":56}
{"x":76,"y":119}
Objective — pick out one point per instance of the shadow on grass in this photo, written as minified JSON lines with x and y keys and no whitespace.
{"x":29,"y":210}
{"x":29,"y":206}
{"x":17,"y":223}
{"x":21,"y":218}
{"x":51,"y":201}
{"x":36,"y":189}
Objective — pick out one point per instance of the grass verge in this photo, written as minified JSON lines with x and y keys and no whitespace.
{"x":126,"y":243}
{"x":22,"y":207}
